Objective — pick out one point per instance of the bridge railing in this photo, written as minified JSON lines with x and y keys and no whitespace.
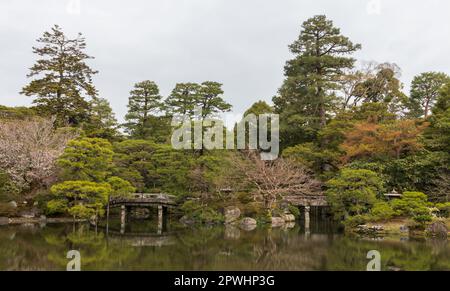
{"x":154,"y":198}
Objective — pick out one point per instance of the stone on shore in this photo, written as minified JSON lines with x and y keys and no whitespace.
{"x":231,"y":214}
{"x":248,"y":224}
{"x":437,"y":229}
{"x":288,"y":217}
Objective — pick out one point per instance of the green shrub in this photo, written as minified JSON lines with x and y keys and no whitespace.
{"x":382,"y":211}
{"x":201,"y":213}
{"x":244,"y":197}
{"x":82,"y":211}
{"x":444,"y":209}
{"x":264,"y":217}
{"x":56,"y":207}
{"x":414,"y":205}
{"x":294,"y":211}
{"x":354,"y":221}
{"x":253,"y":209}
{"x":8,"y":191}
{"x":353,"y":192}
{"x":120,"y":187}
{"x":92,"y":196}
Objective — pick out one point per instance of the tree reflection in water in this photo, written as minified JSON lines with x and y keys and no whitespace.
{"x":209,"y":248}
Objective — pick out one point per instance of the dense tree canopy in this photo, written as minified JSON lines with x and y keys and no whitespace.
{"x":347,"y":131}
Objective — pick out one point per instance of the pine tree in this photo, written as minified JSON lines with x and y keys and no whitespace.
{"x":144,"y":103}
{"x":187,"y":97}
{"x":102,"y":121}
{"x":425,"y":90}
{"x":211,"y":100}
{"x":183,"y":99}
{"x":62,"y":79}
{"x":307,"y":94}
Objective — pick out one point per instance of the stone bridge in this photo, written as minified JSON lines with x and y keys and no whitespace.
{"x":142,"y":200}
{"x":307,"y":201}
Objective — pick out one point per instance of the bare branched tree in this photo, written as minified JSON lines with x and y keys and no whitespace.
{"x":274,"y":180}
{"x":29,"y":149}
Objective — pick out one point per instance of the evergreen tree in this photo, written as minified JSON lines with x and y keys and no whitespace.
{"x":144,"y":102}
{"x":183,"y":99}
{"x":307,"y":94}
{"x":102,"y":121}
{"x":211,"y":100}
{"x":425,"y":90}
{"x":62,"y":79}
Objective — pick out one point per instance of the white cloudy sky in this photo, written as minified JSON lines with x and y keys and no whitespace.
{"x":240,"y":43}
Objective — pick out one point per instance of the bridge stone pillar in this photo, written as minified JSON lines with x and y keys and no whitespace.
{"x":307,"y":219}
{"x":123,"y":218}
{"x":160,"y":218}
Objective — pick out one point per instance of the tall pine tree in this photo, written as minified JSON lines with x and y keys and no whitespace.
{"x":183,"y":99}
{"x":308,"y":93}
{"x":62,"y":79}
{"x":425,"y":91}
{"x":144,"y":104}
{"x":211,"y":100}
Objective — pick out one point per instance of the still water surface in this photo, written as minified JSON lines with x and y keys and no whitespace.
{"x":28,"y":247}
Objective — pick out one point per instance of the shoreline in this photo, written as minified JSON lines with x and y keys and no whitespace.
{"x":38,"y":220}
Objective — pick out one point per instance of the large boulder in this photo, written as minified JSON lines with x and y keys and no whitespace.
{"x":187,"y":220}
{"x":277,"y":222}
{"x":288,"y":217}
{"x":437,"y":229}
{"x":13,"y":204}
{"x":31,"y":213}
{"x":248,"y":224}
{"x":231,"y":214}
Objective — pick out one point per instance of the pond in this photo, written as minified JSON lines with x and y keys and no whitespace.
{"x":143,"y":247}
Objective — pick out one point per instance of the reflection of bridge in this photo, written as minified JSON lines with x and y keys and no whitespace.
{"x":139,"y":239}
{"x":306,"y":202}
{"x":142,"y":200}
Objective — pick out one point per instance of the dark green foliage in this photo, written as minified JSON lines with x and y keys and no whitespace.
{"x":413,"y":204}
{"x":82,"y":199}
{"x":152,"y":167}
{"x":353,"y":192}
{"x":183,"y":99}
{"x":12,"y":113}
{"x":425,"y":90}
{"x":144,"y":103}
{"x":120,"y":187}
{"x":211,"y":99}
{"x":62,"y":79}
{"x":88,"y":159}
{"x":305,"y":99}
{"x":382,"y":211}
{"x":133,"y":162}
{"x":102,"y":122}
{"x":8,"y":191}
{"x":444,"y":209}
{"x":200,"y":213}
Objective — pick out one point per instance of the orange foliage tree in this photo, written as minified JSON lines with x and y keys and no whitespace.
{"x":382,"y":141}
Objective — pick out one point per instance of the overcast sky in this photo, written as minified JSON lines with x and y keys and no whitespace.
{"x":240,"y":43}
